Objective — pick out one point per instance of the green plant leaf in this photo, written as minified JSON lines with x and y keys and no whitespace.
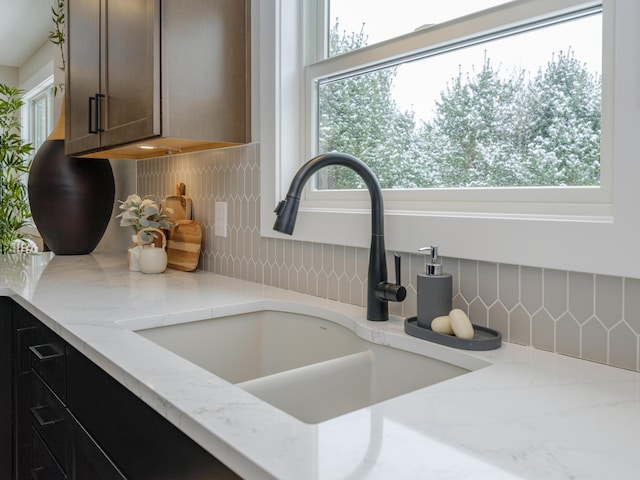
{"x":15,"y":161}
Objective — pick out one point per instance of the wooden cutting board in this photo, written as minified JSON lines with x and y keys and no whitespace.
{"x":183,"y":245}
{"x":181,"y":205}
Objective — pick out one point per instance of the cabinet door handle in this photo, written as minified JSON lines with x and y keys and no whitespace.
{"x":35,"y":472}
{"x":91,"y":116}
{"x":99,"y":96}
{"x":94,"y":113}
{"x":42,"y":421}
{"x":25,"y":329}
{"x":40,"y":351}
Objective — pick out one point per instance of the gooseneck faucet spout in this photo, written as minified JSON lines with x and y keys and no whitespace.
{"x":379,"y":290}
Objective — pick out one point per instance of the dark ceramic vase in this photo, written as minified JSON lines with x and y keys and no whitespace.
{"x":71,"y":198}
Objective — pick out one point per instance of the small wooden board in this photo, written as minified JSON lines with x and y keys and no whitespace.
{"x":179,"y":203}
{"x":183,"y":245}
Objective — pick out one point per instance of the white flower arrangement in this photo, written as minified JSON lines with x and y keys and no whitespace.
{"x":142,"y":212}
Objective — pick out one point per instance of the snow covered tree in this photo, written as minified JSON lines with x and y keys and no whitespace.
{"x":565,"y":122}
{"x":490,"y":128}
{"x":474,"y":123}
{"x":358,"y":116}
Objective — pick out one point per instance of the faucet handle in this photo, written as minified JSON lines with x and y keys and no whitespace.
{"x":392,"y":292}
{"x":280,"y":207}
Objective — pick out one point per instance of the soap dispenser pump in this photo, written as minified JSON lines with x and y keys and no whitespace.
{"x":434,"y":289}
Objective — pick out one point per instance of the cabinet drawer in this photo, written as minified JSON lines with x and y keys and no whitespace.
{"x":48,"y":359}
{"x":88,"y":459}
{"x":143,"y":444}
{"x":50,"y":419}
{"x":24,"y":339}
{"x":26,"y":327}
{"x":6,"y":391}
{"x":43,"y":466}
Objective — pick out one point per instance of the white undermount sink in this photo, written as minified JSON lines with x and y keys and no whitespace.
{"x":309,"y":367}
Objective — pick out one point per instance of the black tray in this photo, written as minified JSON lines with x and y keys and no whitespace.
{"x":484,"y":338}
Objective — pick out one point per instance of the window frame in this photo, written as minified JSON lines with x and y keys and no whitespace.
{"x":585,"y":201}
{"x":600,"y":242}
{"x":43,"y":89}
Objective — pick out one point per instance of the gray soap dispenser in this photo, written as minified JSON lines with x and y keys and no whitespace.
{"x":434,"y":289}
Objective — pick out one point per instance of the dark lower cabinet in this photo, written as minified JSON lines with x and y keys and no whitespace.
{"x":42,"y":463}
{"x":6,"y":388}
{"x":88,"y":460}
{"x":144,"y":443}
{"x":24,"y":330}
{"x":65,"y":418}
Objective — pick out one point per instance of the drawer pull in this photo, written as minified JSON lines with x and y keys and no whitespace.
{"x":35,"y":472}
{"x":25,"y":329}
{"x":46,"y":351}
{"x":44,"y":473}
{"x":35,"y":411}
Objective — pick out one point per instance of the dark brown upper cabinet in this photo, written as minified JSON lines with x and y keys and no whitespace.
{"x":146,"y":78}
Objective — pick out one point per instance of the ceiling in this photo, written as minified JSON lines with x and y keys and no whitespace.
{"x":24,"y":27}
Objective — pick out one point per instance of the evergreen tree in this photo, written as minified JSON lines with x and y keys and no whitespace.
{"x":479,"y":127}
{"x":358,"y":116}
{"x":565,"y":122}
{"x":492,"y":130}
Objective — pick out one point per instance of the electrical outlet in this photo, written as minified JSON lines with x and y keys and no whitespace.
{"x":221,"y":219}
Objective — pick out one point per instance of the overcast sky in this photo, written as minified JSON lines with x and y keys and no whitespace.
{"x":385,"y":19}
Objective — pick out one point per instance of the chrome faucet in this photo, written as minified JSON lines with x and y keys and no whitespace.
{"x":379,"y":290}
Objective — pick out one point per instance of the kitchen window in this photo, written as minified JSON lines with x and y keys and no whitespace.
{"x":559,"y":225}
{"x":468,"y":114}
{"x":37,"y":117}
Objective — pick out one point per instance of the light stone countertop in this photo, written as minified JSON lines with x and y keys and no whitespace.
{"x":530,"y":414}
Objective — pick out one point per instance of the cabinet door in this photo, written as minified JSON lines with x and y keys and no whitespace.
{"x":143,"y":444}
{"x":24,"y":336}
{"x":43,"y":465}
{"x":82,"y":84}
{"x":131,"y":71}
{"x":113,"y":73}
{"x":205,"y":55}
{"x":50,"y":420}
{"x":6,"y":389}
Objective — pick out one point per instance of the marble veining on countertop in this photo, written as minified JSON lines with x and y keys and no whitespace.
{"x":528,"y":414}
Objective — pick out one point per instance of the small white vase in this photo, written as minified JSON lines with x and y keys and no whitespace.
{"x":134,"y":258}
{"x":133,"y":255}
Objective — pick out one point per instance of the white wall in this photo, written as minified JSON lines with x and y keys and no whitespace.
{"x":9,"y":75}
{"x":125,"y":177}
{"x":34,"y":71}
{"x":37,"y":68}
